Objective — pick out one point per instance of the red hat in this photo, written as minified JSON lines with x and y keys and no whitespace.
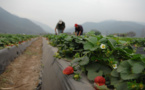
{"x":76,"y":25}
{"x":99,"y":80}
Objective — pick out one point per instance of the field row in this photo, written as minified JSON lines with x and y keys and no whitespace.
{"x":10,"y":40}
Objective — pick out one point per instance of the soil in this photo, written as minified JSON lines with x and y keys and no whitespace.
{"x":23,"y":73}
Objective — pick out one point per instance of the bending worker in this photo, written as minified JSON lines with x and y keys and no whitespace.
{"x":78,"y":30}
{"x":60,"y":27}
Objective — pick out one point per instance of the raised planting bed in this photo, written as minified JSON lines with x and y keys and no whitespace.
{"x":52,"y":75}
{"x":11,"y":52}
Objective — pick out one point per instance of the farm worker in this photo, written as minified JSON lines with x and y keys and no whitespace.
{"x":78,"y":30}
{"x":60,"y":27}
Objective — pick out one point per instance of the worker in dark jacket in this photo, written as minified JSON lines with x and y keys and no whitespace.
{"x":78,"y":30}
{"x":60,"y":27}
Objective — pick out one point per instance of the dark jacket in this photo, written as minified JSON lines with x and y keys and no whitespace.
{"x":80,"y":28}
{"x":60,"y":26}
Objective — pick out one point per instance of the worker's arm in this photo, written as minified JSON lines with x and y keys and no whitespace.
{"x":79,"y":33}
{"x":81,"y":30}
{"x":55,"y":31}
{"x":56,"y":28}
{"x":62,"y":30}
{"x":76,"y":33}
{"x":64,"y":27}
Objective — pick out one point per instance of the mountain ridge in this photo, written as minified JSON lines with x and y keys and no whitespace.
{"x":13,"y":24}
{"x":44,"y":26}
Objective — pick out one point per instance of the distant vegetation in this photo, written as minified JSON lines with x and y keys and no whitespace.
{"x":96,"y":32}
{"x":128,"y":34}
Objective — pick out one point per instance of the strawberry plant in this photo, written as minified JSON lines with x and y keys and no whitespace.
{"x":11,"y":39}
{"x":110,"y":58}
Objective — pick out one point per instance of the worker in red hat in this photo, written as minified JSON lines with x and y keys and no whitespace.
{"x":78,"y":30}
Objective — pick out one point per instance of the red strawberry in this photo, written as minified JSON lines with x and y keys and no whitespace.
{"x":68,"y":70}
{"x":100,"y":80}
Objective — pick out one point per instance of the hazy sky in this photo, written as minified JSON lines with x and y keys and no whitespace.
{"x":76,"y":11}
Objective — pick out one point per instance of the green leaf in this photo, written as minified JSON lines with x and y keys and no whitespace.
{"x":128,"y":76}
{"x":84,"y":61}
{"x":105,"y":69}
{"x":122,"y":51}
{"x":129,"y":50}
{"x":68,"y":38}
{"x":124,"y":67}
{"x":136,"y":57}
{"x":121,"y":86}
{"x":132,"y":62}
{"x":122,"y":42}
{"x":126,"y":72}
{"x":93,"y":58}
{"x":92,"y":74}
{"x":114,"y":73}
{"x":114,"y":80}
{"x":138,"y":68}
{"x":112,"y":43}
{"x":103,"y":40}
{"x":103,"y":87}
{"x":93,"y":67}
{"x":143,"y":58}
{"x":76,"y":60}
{"x":88,"y":46}
{"x":86,"y":52}
{"x":94,"y":48}
{"x":92,"y":40}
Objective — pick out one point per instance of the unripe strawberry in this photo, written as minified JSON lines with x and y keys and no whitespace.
{"x":76,"y":76}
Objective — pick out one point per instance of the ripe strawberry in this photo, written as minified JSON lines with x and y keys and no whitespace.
{"x":68,"y":70}
{"x":99,"y":80}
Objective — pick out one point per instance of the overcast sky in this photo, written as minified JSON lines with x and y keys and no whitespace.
{"x":76,"y":11}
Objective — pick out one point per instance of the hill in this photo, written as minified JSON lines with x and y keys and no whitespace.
{"x":13,"y":24}
{"x":44,"y":26}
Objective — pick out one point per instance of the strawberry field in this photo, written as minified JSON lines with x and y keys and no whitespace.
{"x":11,"y":46}
{"x":10,"y":40}
{"x":111,"y":58}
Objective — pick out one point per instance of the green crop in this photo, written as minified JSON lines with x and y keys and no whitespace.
{"x":110,"y":57}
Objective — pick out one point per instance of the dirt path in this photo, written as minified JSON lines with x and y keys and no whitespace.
{"x":23,"y":73}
